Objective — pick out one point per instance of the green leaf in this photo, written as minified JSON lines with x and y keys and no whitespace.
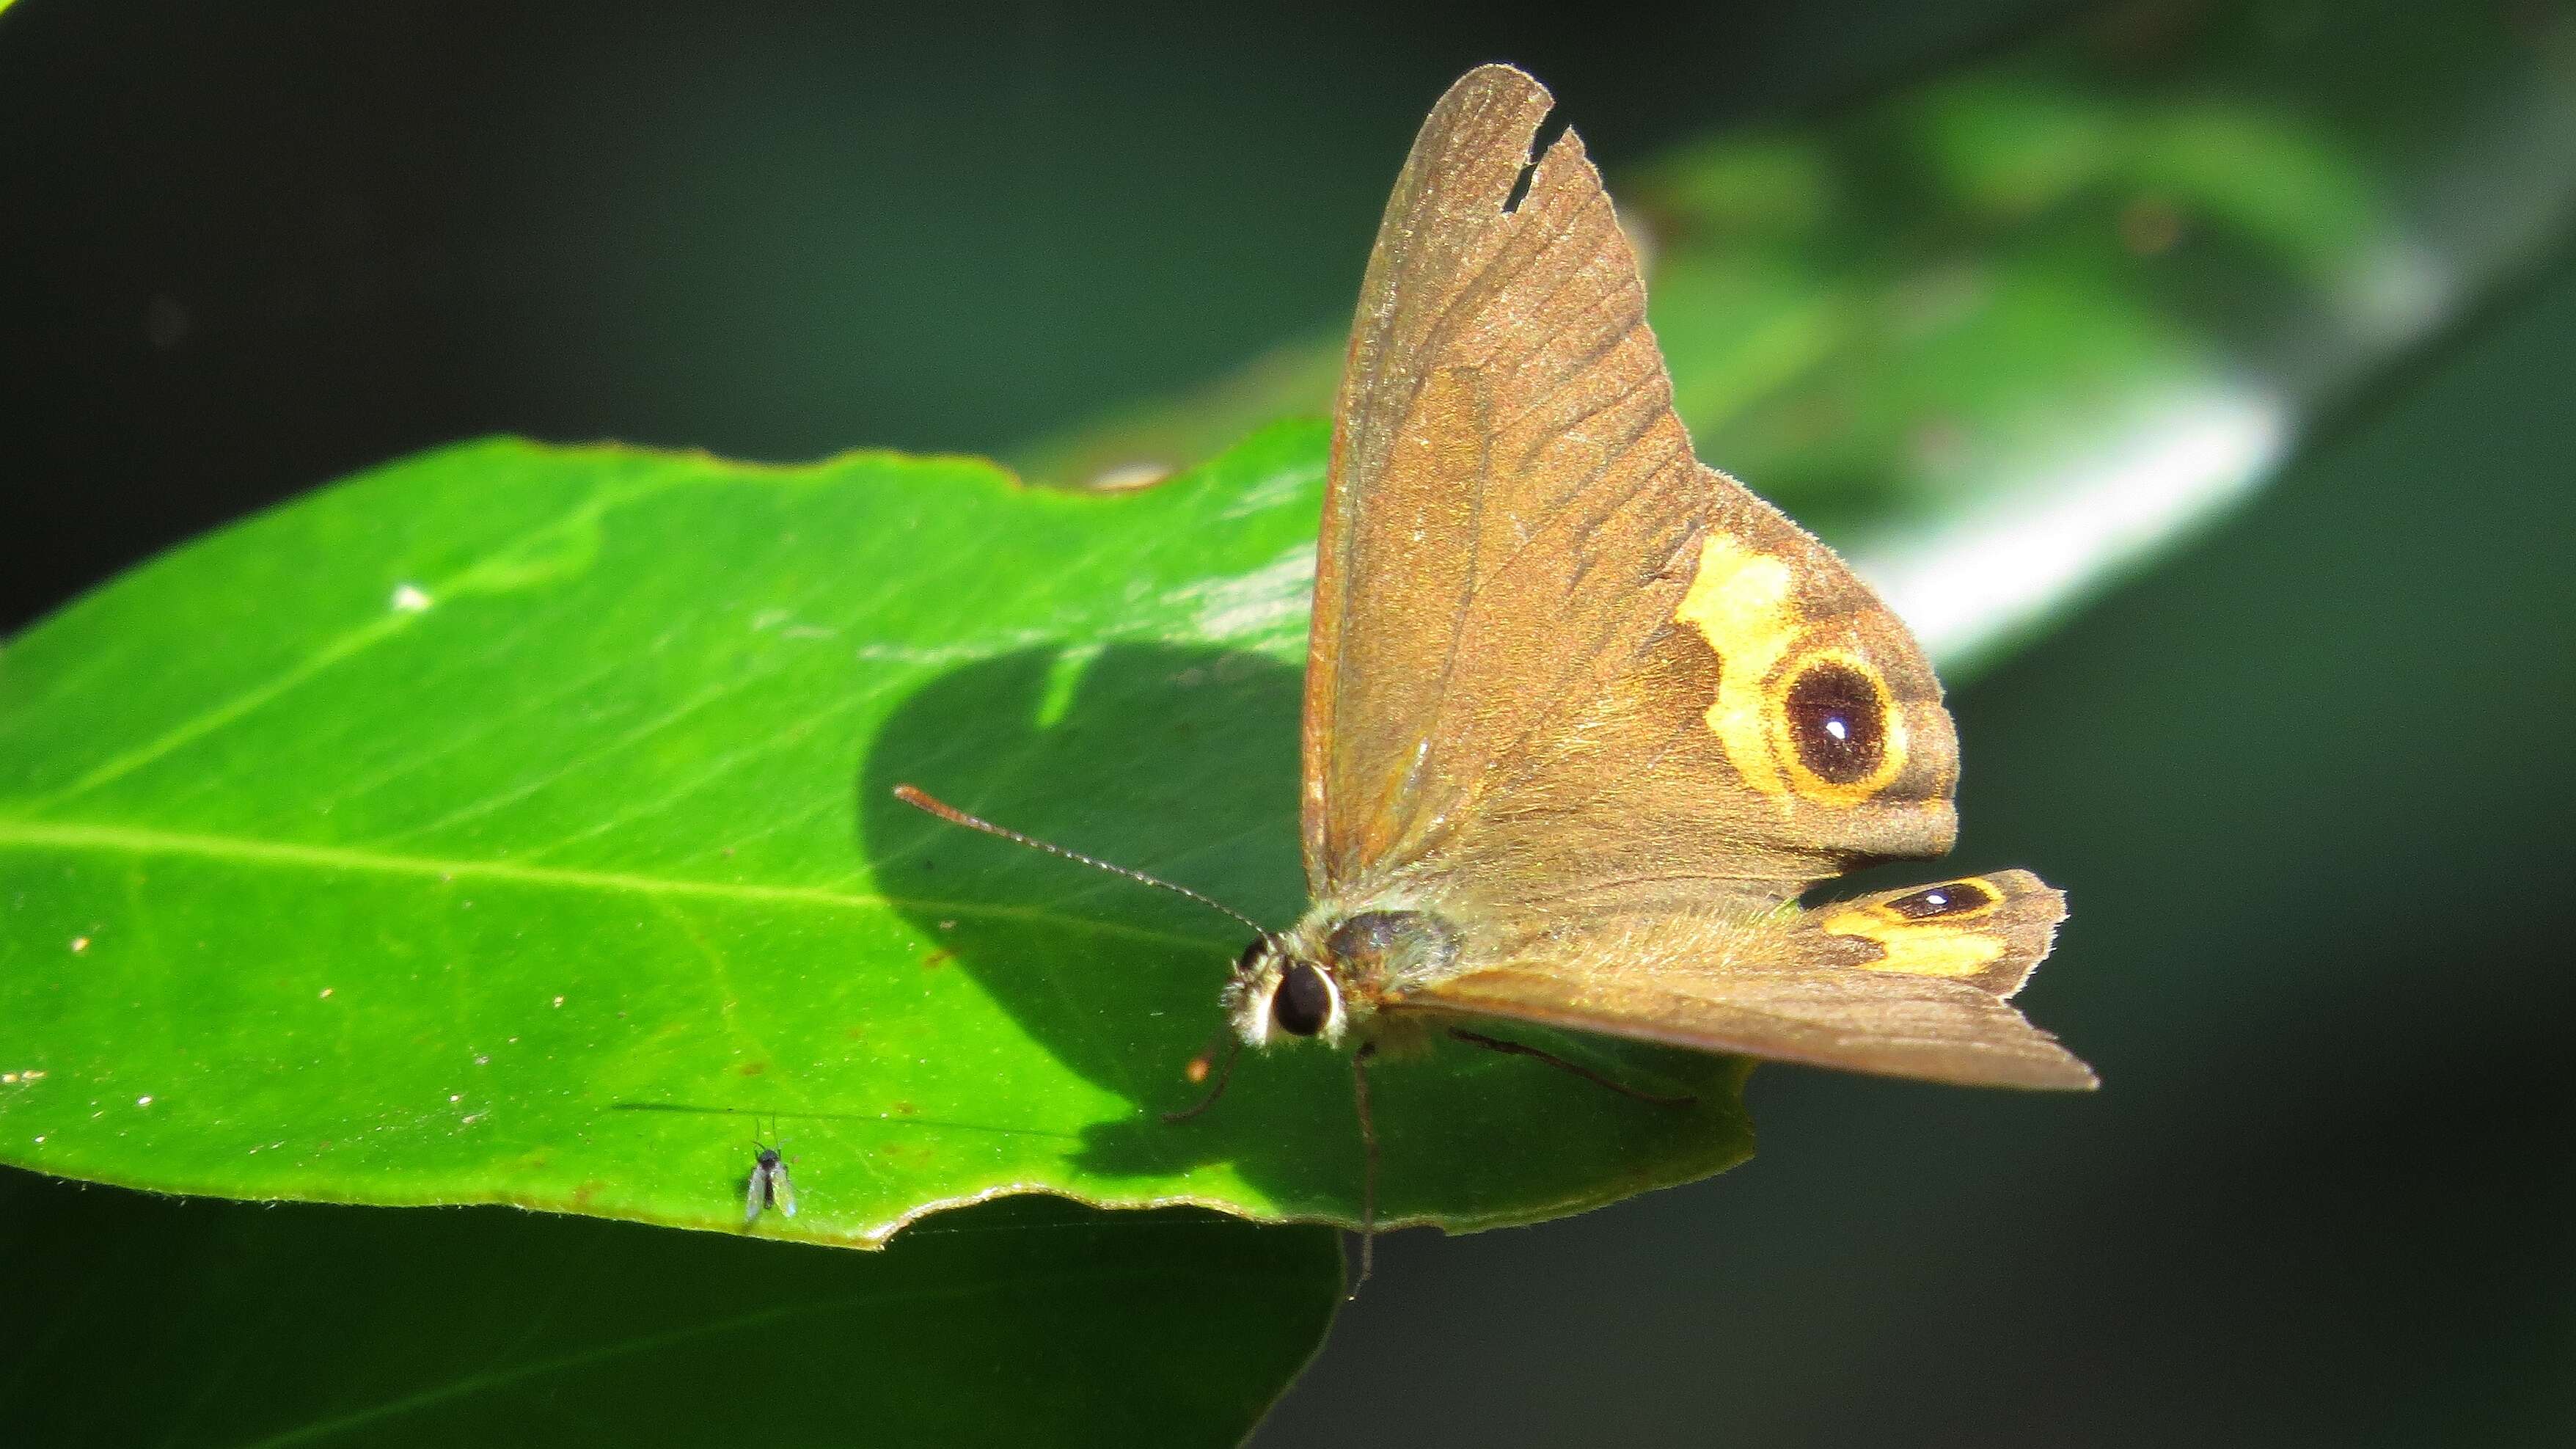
{"x":196,"y":1323}
{"x":515,"y":825}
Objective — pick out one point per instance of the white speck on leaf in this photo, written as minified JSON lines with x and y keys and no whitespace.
{"x":409,"y":599}
{"x":326,"y":992}
{"x":144,"y":1101}
{"x":1255,"y":605}
{"x":79,"y":944}
{"x":1128,"y":477}
{"x":558,"y":1001}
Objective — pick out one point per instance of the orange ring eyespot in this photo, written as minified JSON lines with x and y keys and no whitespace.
{"x":1949,"y":901}
{"x":1837,"y":722}
{"x":1835,"y":728}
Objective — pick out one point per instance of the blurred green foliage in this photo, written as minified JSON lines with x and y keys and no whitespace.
{"x":2005,"y":333}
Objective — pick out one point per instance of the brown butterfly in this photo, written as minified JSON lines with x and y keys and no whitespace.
{"x":1584,"y":717}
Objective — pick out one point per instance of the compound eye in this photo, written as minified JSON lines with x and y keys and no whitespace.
{"x":1251,"y":957}
{"x":1303,"y":1002}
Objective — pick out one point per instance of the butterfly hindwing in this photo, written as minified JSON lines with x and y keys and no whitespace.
{"x":1909,"y":982}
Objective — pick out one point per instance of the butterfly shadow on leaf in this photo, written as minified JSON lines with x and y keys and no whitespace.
{"x":1180,"y":762}
{"x":1183,"y":763}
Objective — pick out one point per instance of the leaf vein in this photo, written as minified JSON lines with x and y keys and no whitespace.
{"x":133,"y":840}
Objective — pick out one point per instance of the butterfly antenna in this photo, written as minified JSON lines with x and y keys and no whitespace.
{"x":924,"y":801}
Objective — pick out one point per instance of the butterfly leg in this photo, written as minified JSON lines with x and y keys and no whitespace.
{"x":1519,"y":1049}
{"x":1224,"y":1074}
{"x":1368,"y":1180}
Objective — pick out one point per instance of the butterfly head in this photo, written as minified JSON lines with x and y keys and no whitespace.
{"x":1281,"y":991}
{"x":1324,"y":979}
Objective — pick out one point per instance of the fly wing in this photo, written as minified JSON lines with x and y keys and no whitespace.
{"x":1550,"y":650}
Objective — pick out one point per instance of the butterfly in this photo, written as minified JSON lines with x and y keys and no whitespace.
{"x":1584,"y":718}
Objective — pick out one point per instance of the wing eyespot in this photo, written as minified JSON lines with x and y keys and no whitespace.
{"x":1836,"y":722}
{"x":1939,"y":930}
{"x":1837,"y":732}
{"x":1818,"y":724}
{"x":1951,"y":901}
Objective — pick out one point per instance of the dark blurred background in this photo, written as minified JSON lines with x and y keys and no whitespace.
{"x":2307,"y":782}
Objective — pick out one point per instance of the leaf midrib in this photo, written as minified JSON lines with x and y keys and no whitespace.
{"x":135,"y":840}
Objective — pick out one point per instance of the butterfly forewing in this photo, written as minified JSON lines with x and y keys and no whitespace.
{"x":1543,"y":631}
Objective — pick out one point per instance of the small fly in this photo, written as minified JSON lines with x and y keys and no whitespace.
{"x":769,"y":1187}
